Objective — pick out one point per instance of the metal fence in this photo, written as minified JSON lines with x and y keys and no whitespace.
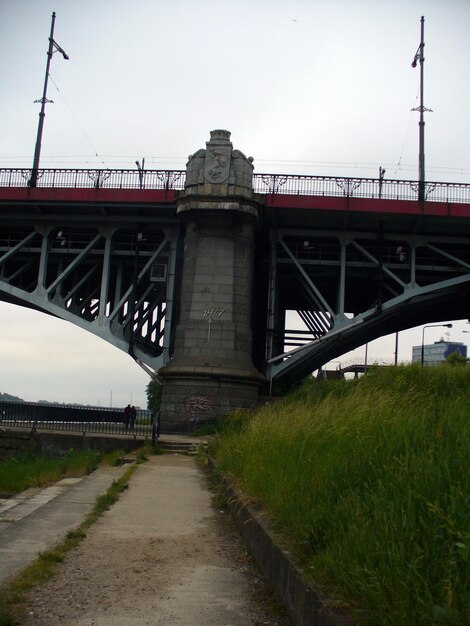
{"x":292,"y":184}
{"x":97,"y":179}
{"x":283,"y":184}
{"x":108,"y":421}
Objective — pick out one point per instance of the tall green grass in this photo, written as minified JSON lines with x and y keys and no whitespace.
{"x":369,"y":482}
{"x":25,"y":470}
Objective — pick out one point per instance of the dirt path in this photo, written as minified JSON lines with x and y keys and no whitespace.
{"x":162,"y":555}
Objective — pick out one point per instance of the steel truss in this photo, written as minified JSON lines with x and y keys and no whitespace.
{"x":352,"y":287}
{"x":110,"y":280}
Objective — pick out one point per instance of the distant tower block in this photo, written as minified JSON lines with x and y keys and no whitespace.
{"x":211,"y":371}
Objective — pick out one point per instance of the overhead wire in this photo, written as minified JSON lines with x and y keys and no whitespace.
{"x":78,"y":122}
{"x":115,"y":159}
{"x":398,"y":165}
{"x":266,"y":164}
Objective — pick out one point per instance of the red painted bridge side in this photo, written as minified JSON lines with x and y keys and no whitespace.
{"x":367,"y":205}
{"x":91,"y":195}
{"x":279,"y":201}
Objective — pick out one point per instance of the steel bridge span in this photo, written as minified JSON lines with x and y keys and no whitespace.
{"x":192,"y":272}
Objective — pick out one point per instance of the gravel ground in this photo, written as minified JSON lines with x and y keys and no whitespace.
{"x":162,"y":555}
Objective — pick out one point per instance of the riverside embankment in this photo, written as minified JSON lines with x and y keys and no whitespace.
{"x":368,"y":484}
{"x":365,"y":486}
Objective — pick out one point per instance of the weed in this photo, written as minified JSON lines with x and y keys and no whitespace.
{"x":28,"y":469}
{"x":369,"y":482}
{"x":113,"y":458}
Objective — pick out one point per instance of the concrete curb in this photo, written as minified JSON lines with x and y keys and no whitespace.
{"x":304,"y":605}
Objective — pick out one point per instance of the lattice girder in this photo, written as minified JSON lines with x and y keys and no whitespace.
{"x":112,"y":281}
{"x":353,"y":287}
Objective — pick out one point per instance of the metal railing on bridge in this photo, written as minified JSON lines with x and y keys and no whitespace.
{"x":97,"y":179}
{"x":98,"y":420}
{"x":360,"y":364}
{"x":291,"y":184}
{"x":268,"y":184}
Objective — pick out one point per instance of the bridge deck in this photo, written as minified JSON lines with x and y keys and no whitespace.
{"x":332,"y":246}
{"x":289,"y":200}
{"x":91,"y":195}
{"x":275,"y":201}
{"x":368,"y":205}
{"x":279,"y":191}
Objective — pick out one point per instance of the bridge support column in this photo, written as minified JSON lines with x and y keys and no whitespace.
{"x":211,"y":371}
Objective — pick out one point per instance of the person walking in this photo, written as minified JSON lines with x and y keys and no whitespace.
{"x":132,"y":417}
{"x":127,"y":416}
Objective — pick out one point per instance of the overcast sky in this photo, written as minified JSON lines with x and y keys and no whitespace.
{"x":305,"y":86}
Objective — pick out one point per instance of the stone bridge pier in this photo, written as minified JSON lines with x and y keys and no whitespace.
{"x":211,"y":372}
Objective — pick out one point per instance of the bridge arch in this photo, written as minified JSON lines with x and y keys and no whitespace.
{"x":351,"y":287}
{"x":110,"y":279}
{"x":47,"y":358}
{"x":192,"y":274}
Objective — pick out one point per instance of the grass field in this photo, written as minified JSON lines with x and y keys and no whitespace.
{"x":368,"y":481}
{"x":24,"y":470}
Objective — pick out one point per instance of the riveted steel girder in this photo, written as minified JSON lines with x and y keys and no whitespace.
{"x":356,"y":258}
{"x":353,"y":287}
{"x":115,"y":279}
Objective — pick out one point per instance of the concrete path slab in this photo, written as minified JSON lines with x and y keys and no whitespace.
{"x":14,"y":509}
{"x":34,"y":524}
{"x":160,"y":556}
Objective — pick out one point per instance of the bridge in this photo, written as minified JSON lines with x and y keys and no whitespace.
{"x":192,"y":271}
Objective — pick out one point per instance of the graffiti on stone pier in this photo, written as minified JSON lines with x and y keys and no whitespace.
{"x":210,"y":314}
{"x":213,"y":313}
{"x":197,"y":403}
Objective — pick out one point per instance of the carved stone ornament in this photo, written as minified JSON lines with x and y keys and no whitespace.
{"x":217,"y":166}
{"x":218,"y":155}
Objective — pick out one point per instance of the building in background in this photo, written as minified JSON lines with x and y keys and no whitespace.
{"x":437,"y":352}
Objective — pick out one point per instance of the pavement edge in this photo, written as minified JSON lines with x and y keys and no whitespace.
{"x":304,"y":605}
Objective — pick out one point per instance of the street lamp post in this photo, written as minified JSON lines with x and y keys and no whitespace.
{"x":422,"y":337}
{"x":53,"y":47}
{"x":419,"y":56}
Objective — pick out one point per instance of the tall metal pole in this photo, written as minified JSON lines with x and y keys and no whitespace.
{"x":419,"y":56}
{"x":42,"y":112}
{"x":421,"y":182}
